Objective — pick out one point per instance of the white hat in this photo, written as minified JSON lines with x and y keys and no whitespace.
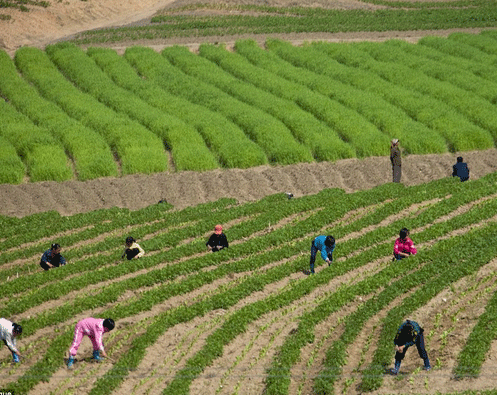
{"x":395,"y":141}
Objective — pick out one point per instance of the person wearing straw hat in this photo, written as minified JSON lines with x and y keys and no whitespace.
{"x":395,"y":158}
{"x":218,"y":240}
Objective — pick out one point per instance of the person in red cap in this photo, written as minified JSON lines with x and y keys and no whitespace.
{"x":218,"y":240}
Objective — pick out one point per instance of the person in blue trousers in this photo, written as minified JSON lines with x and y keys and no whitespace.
{"x":8,"y":333}
{"x":409,"y":334}
{"x":325,"y":244}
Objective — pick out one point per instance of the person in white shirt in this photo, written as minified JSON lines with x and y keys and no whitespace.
{"x":8,"y":333}
{"x":132,"y":250}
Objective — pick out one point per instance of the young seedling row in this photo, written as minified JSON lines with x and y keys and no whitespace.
{"x":247,"y":319}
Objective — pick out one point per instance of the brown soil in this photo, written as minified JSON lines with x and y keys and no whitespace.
{"x":187,"y":188}
{"x":64,"y":18}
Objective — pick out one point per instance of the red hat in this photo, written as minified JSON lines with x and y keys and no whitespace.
{"x":218,"y":229}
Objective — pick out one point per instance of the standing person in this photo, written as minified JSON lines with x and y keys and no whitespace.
{"x":218,"y":240}
{"x":8,"y":333}
{"x":132,"y":250}
{"x":409,"y":334}
{"x":395,"y":158}
{"x":404,"y":247}
{"x":460,"y":169}
{"x":325,"y":244}
{"x":51,"y":258}
{"x":94,"y":328}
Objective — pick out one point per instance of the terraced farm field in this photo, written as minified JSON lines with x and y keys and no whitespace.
{"x":97,"y":129}
{"x":98,"y":114}
{"x":247,"y":320}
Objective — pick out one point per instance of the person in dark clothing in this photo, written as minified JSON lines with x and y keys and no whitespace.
{"x":325,"y":244}
{"x":409,"y":334}
{"x":461,"y":170}
{"x":51,"y":258}
{"x":132,"y":250}
{"x":218,"y":240}
{"x":396,"y":160}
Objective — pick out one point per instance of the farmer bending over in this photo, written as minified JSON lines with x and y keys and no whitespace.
{"x":94,"y":328}
{"x":8,"y":333}
{"x":325,"y":244}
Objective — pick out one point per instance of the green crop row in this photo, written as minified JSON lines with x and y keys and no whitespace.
{"x":470,"y":58}
{"x":473,"y":253}
{"x":347,"y":67}
{"x":175,"y":240}
{"x":12,"y":169}
{"x":43,"y":156}
{"x":126,"y":285}
{"x":390,"y":65}
{"x":223,"y":137}
{"x":187,"y":146}
{"x":431,"y":110}
{"x":364,"y":137}
{"x":139,"y":150}
{"x":388,"y":118}
{"x":247,"y":314}
{"x":321,"y":140}
{"x":92,"y":156}
{"x":289,"y":354}
{"x":279,"y":105}
{"x":414,"y":57}
{"x":478,"y":344}
{"x":272,"y":20}
{"x":270,"y":134}
{"x":485,"y":43}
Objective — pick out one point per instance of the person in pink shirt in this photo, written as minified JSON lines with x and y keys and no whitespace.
{"x":94,"y":328}
{"x":404,"y":247}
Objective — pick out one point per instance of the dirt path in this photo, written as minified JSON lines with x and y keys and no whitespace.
{"x":185,"y":189}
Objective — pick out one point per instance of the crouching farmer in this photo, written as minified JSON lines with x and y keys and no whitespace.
{"x":94,"y":328}
{"x":409,"y":334}
{"x":8,"y":333}
{"x":51,"y":258}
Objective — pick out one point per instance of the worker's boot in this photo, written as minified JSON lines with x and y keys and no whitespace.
{"x":395,"y":370}
{"x":427,"y":365}
{"x":96,"y":356}
{"x":15,"y":358}
{"x":70,"y":362}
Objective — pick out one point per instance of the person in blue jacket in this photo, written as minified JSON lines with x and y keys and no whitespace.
{"x":325,"y":244}
{"x":409,"y":334}
{"x":460,"y":169}
{"x":51,"y":258}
